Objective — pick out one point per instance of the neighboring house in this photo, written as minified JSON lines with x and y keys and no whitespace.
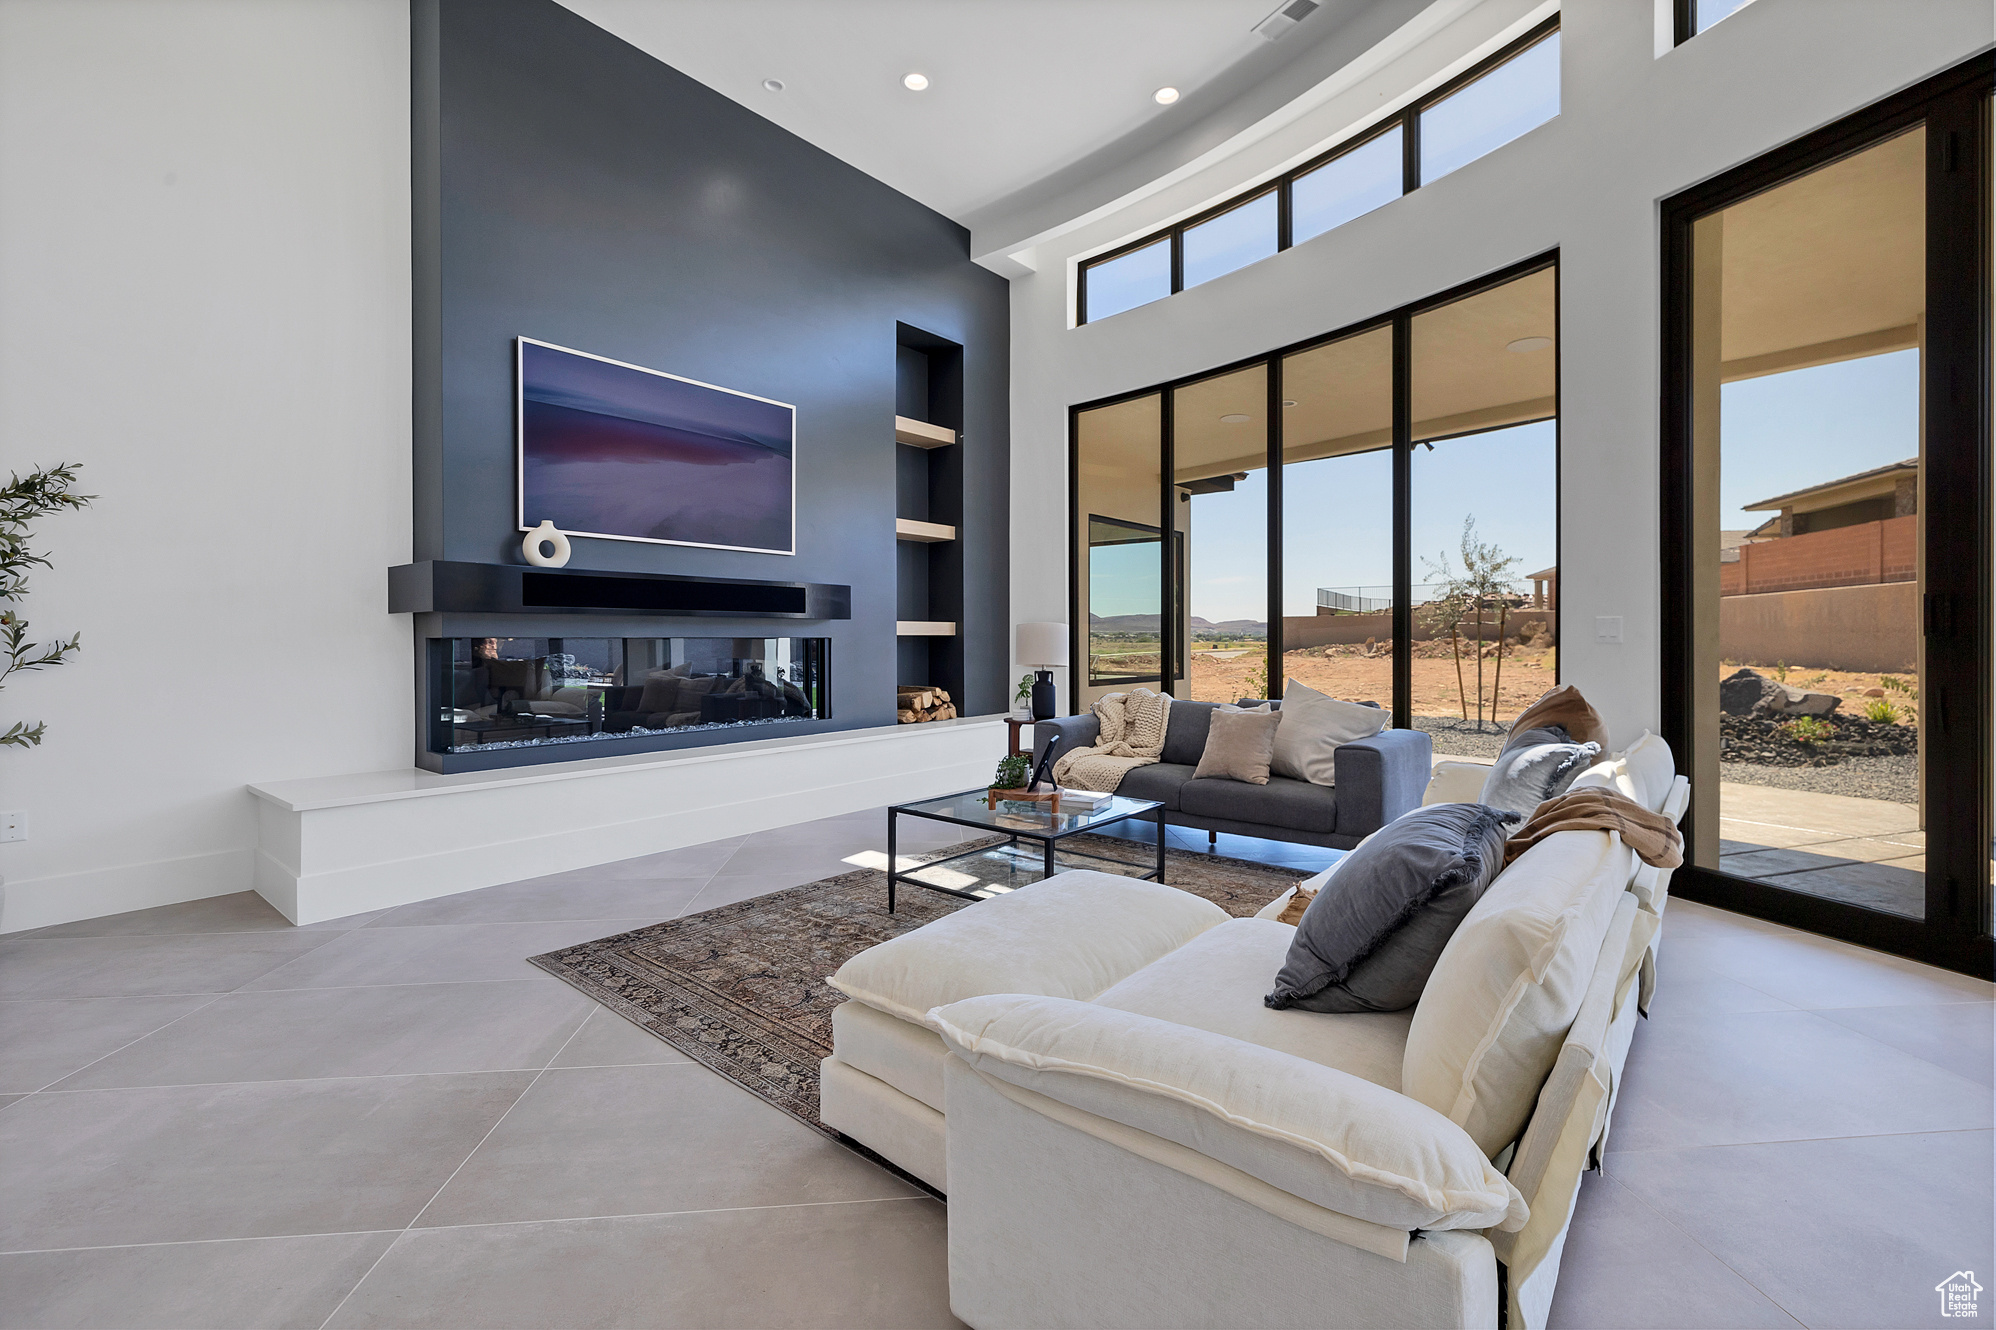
{"x":1852,"y":531}
{"x":1869,"y":496}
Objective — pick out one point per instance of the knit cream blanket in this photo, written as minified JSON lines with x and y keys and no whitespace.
{"x":1132,"y":736}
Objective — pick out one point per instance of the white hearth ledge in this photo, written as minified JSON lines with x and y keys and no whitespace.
{"x":332,"y":846}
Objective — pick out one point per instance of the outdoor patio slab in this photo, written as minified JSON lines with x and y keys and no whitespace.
{"x":1837,"y":814}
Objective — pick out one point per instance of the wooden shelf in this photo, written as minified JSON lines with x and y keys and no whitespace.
{"x":922,"y":434}
{"x":927,"y":533}
{"x":923,"y":628}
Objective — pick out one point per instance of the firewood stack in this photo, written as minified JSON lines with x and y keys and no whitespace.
{"x":920,"y":702}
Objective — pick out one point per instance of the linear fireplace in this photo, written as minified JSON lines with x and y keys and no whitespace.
{"x":488,"y":693}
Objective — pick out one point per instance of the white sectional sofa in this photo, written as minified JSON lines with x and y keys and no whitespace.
{"x":1128,"y":1136}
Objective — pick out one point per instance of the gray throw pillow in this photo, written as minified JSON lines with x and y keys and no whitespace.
{"x":1535,"y":765}
{"x":1371,"y":937}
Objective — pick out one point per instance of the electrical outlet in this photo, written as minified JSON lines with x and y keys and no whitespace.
{"x":13,"y":826}
{"x":1608,"y":628}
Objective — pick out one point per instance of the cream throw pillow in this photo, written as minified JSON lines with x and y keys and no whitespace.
{"x":1239,"y":745}
{"x":1644,"y":772}
{"x":1314,"y":725}
{"x":1490,"y":1022}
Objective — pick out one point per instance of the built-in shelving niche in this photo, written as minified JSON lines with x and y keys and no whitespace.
{"x":928,"y":510}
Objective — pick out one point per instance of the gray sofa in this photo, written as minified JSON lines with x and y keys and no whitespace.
{"x":1378,"y":779}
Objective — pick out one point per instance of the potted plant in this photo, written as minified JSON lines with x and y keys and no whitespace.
{"x":1022,"y":697}
{"x":1014,"y":770}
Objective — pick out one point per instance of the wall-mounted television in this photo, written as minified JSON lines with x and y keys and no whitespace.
{"x":628,"y":453}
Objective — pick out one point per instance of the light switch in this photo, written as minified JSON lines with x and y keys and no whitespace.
{"x":1607,"y":628}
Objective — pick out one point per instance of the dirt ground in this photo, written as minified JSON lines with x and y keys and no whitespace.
{"x":1348,"y":673}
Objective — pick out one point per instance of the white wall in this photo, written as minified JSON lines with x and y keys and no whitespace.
{"x":204,"y":273}
{"x":1634,"y":129}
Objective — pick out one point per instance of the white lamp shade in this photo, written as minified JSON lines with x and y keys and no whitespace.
{"x":1043,"y":644}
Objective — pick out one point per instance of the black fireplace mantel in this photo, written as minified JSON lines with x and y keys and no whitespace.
{"x":441,"y":586}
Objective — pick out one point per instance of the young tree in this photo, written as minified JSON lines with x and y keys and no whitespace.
{"x":1485,"y":579}
{"x":22,"y":500}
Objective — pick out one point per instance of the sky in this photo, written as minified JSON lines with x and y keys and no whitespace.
{"x":1786,"y":431}
{"x":1781,"y":432}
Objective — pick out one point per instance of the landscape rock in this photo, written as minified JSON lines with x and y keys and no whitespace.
{"x":1795,"y":702}
{"x":1742,"y":692}
{"x":1748,"y":692}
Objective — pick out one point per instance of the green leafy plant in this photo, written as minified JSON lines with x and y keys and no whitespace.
{"x":1781,"y":670}
{"x":1014,"y":770}
{"x":1892,"y":684}
{"x":1815,"y":679}
{"x":23,"y":499}
{"x":1878,"y":709}
{"x":1024,"y":692}
{"x":1808,"y":729}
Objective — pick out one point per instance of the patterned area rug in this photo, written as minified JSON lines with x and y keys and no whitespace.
{"x":742,"y":988}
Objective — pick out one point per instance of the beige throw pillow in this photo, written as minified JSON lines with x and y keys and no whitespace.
{"x":1306,"y":745}
{"x":1239,"y":745}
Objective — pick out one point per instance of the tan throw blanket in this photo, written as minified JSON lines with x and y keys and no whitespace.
{"x":1132,"y":736}
{"x":1652,"y":836}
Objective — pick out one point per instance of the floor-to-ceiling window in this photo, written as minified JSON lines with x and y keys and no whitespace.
{"x":1400,"y":554}
{"x":1219,"y":456}
{"x":1119,"y":576}
{"x":1485,"y":511}
{"x":1827,"y":527}
{"x":1337,"y":517}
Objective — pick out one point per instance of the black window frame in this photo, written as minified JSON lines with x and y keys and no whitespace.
{"x":1172,"y":570}
{"x":1955,"y":107}
{"x":1407,"y":119}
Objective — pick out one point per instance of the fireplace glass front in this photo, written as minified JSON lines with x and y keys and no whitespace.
{"x":513,"y":692}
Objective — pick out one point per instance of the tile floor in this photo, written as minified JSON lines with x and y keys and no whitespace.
{"x":210,"y":1118}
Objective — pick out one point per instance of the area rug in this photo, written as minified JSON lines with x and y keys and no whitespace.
{"x":742,"y":988}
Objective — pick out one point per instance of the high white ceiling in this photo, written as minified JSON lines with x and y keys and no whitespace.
{"x":1019,"y":89}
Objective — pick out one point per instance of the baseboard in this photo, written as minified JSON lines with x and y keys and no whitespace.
{"x":64,"y":898}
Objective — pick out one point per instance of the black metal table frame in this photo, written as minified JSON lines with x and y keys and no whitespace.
{"x":1051,"y":842}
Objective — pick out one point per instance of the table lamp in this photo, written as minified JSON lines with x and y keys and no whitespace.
{"x":1043,"y":646}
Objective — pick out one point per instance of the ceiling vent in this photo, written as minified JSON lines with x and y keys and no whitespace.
{"x":1277,"y":25}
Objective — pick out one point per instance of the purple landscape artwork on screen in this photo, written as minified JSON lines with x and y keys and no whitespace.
{"x":608,"y":449}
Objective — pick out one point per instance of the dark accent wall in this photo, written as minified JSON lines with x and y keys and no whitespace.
{"x":571,"y":188}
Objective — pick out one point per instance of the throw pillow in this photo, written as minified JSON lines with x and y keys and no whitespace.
{"x":1239,"y":745}
{"x":661,"y":691}
{"x":1536,"y":765}
{"x":1371,"y":936}
{"x":1316,"y":725}
{"x":1566,"y":708}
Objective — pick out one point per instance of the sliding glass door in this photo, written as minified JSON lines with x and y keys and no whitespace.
{"x":1373,"y":514}
{"x":1827,"y":527}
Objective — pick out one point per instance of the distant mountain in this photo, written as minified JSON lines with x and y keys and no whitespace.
{"x":1147,"y":623}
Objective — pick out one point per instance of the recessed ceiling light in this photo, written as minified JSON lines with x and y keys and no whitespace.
{"x":772,"y":85}
{"x":1529,"y":344}
{"x":1235,"y":419}
{"x":1165,"y":96}
{"x":915,"y":82}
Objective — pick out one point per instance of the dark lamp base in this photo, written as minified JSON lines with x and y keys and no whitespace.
{"x":1044,"y":703}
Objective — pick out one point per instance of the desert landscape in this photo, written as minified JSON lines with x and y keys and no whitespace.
{"x":1362,"y":674}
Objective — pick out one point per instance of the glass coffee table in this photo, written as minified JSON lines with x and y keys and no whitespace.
{"x":1031,"y":852}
